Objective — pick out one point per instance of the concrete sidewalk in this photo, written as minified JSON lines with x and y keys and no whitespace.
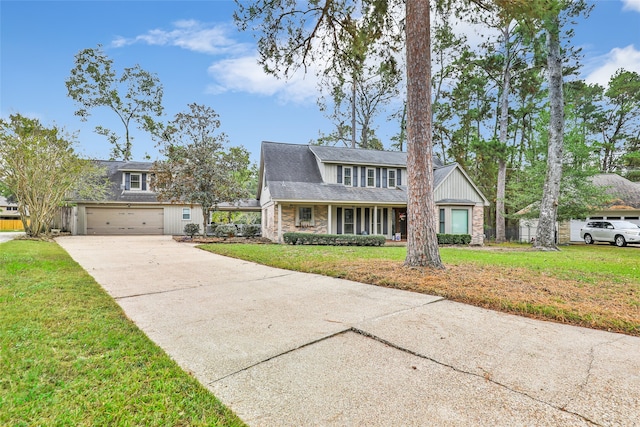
{"x":282,"y":348}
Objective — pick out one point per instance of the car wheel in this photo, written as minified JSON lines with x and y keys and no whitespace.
{"x":620,"y":242}
{"x":588,"y":240}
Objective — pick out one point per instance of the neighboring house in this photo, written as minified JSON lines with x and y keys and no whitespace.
{"x":332,"y":190}
{"x":625,"y":205}
{"x":131,"y":206}
{"x":9,"y":216}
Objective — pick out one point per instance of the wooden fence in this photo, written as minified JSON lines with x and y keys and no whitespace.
{"x":11,"y":225}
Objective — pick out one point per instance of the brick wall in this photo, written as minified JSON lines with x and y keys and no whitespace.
{"x":477,"y":226}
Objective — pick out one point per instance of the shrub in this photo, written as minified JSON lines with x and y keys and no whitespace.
{"x":333,"y":239}
{"x":454,"y":239}
{"x":191,"y":229}
{"x":225,"y":230}
{"x":250,"y":230}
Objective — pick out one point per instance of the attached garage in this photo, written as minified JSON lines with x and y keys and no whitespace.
{"x":116,"y":220}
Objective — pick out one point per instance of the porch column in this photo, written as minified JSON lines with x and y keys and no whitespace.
{"x":375,"y":221}
{"x":329,"y":219}
{"x":279,"y":223}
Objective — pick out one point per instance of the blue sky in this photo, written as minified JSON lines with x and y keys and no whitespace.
{"x":199,"y":56}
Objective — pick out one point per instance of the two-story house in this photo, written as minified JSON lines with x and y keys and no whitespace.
{"x":332,"y":190}
{"x":131,"y":206}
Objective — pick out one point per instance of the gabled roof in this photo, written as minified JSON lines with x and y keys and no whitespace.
{"x":357,"y":156}
{"x":114,"y":171}
{"x":289,"y":163}
{"x":291,"y":173}
{"x":627,"y":193}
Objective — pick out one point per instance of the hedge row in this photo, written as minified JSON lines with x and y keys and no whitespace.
{"x":333,"y":239}
{"x":360,"y":240}
{"x":232,"y":230}
{"x":454,"y":239}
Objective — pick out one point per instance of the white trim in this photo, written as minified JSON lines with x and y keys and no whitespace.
{"x":188,"y":209}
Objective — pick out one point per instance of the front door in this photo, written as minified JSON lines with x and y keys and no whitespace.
{"x":349,"y":220}
{"x":400,"y":222}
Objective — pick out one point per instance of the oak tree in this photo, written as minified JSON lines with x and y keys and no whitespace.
{"x":135,"y":96}
{"x":199,"y":168}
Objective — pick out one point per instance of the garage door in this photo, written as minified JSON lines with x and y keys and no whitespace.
{"x":125,"y":221}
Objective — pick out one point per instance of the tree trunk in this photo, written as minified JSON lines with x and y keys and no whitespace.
{"x":545,"y":236}
{"x":422,"y":242}
{"x":504,"y":121}
{"x":353,"y":112}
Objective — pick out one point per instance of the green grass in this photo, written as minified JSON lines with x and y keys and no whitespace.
{"x":597,"y":286}
{"x":70,"y":357}
{"x":578,"y":262}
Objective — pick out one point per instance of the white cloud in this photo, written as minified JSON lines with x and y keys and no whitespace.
{"x":633,"y":5}
{"x":626,"y":57}
{"x":246,"y":75}
{"x":191,"y":35}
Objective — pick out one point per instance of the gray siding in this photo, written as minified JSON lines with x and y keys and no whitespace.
{"x":458,"y":187}
{"x":173,"y":222}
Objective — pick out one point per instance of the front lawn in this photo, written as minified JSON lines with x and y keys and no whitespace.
{"x":592,"y":286}
{"x":70,"y":357}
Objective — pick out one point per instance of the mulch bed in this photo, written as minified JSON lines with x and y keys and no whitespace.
{"x":209,"y":239}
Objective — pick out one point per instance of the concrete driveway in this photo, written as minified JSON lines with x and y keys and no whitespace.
{"x":5,"y":236}
{"x":282,"y":348}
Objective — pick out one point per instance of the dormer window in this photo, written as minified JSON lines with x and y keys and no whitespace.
{"x":371,"y":180}
{"x":135,"y":181}
{"x":347,"y":176}
{"x":392,"y":178}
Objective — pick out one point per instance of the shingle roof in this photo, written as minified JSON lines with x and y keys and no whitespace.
{"x":114,"y":171}
{"x":291,"y":172}
{"x":358,"y":156}
{"x":626,"y":193}
{"x":289,"y":163}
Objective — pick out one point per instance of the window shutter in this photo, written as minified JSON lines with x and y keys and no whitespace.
{"x":127,"y":181}
{"x":378,"y":177}
{"x":367,"y":216}
{"x":144,"y":182}
{"x":355,"y":176}
{"x":399,"y":177}
{"x":358,"y":220}
{"x":339,"y":218}
{"x":363,"y":175}
{"x":384,"y":178}
{"x":339,"y":174}
{"x":385,"y":221}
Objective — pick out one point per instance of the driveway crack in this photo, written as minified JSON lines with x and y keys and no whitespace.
{"x":462,"y":371}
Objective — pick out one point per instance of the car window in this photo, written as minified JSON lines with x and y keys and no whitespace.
{"x":608,"y":225}
{"x":626,"y":224}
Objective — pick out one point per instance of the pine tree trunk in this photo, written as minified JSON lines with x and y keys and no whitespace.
{"x":353,"y":112}
{"x":422,"y":242}
{"x":504,"y":121}
{"x":545,"y":236}
{"x":501,"y":235}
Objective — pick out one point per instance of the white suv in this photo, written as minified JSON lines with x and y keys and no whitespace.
{"x":617,"y":233}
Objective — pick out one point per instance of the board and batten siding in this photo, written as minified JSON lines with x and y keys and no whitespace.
{"x":329,"y":172}
{"x":458,"y":185}
{"x":173,"y":222}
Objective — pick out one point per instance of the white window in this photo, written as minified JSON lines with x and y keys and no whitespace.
{"x":186,"y":214}
{"x":347,"y":175}
{"x":459,"y":221}
{"x":391,"y":178}
{"x":304,"y":216}
{"x":136,"y":181}
{"x":371,"y":177}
